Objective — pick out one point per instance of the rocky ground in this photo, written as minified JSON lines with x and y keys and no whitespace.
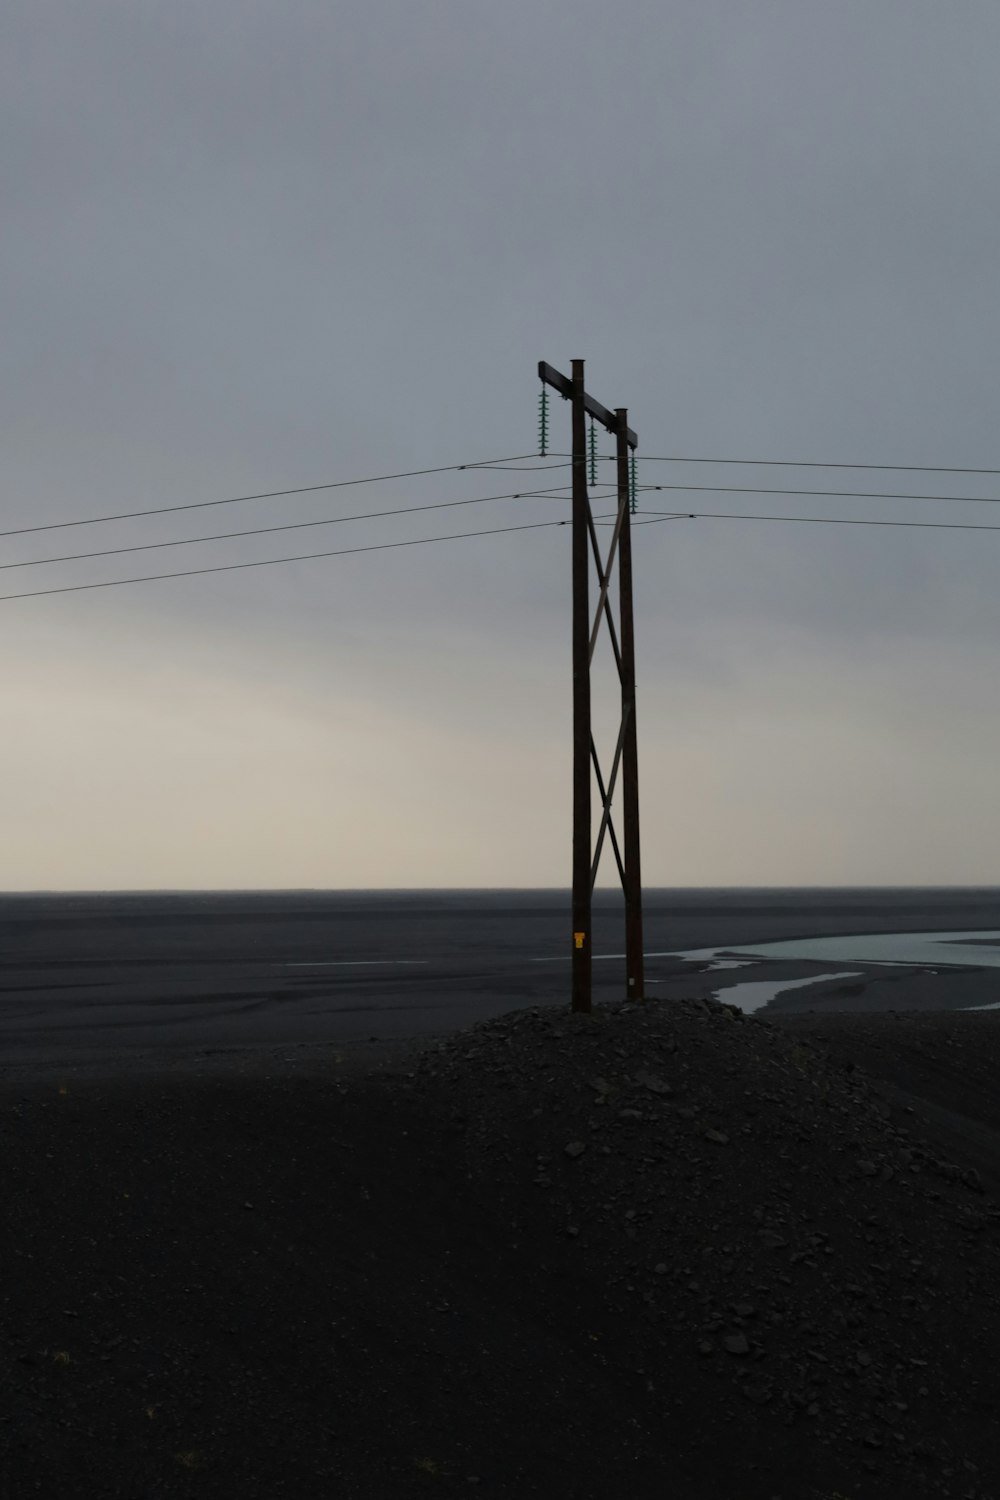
{"x":662,"y":1249}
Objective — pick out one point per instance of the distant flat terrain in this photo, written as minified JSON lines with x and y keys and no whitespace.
{"x":85,"y":978}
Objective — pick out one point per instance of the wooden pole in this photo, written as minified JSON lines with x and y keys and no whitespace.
{"x":634,"y":964}
{"x":581,"y":952}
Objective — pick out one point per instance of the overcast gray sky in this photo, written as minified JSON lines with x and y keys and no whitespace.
{"x":249,"y":246}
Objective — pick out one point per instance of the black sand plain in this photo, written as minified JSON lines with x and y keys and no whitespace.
{"x":91,"y":976}
{"x":659,"y":1250}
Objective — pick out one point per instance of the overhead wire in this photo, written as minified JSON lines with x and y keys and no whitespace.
{"x":803,"y":463}
{"x":222,"y":536}
{"x":740,"y":489}
{"x":715,"y":515}
{"x":77,"y":588}
{"x":500,"y":465}
{"x":305,"y":489}
{"x":497,"y":466}
{"x":651,"y":518}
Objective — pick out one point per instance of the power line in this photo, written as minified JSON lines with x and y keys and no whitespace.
{"x":497,"y":466}
{"x":306,"y":489}
{"x":651,"y":518}
{"x":222,"y":536}
{"x":794,"y":463}
{"x":715,"y":515}
{"x":270,"y":562}
{"x":674,"y":515}
{"x":739,"y":489}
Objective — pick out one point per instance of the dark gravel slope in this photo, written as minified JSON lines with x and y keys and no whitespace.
{"x":663,"y":1250}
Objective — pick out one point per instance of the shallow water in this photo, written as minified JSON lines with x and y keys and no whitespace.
{"x":978,"y":949}
{"x":756,"y":993}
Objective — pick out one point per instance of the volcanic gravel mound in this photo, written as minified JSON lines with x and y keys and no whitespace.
{"x":782,"y":1266}
{"x":658,"y":1250}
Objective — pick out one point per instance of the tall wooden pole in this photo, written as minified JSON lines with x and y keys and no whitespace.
{"x":585,"y":863}
{"x":581,"y":936}
{"x":634,"y":965}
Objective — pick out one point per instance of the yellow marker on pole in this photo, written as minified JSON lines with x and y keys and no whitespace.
{"x":578,"y":938}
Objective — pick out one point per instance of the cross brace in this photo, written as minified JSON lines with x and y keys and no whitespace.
{"x":606,"y":799}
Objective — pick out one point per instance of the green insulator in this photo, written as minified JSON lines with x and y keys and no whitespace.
{"x":543,"y":423}
{"x":632,"y":486}
{"x":593,"y":452}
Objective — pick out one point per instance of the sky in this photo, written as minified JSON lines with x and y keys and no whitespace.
{"x":257,"y":246}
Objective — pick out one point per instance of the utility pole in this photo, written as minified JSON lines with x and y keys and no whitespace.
{"x":581,"y":955}
{"x":634,"y":963}
{"x":586,"y":857}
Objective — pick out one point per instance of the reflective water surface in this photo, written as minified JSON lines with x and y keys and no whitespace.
{"x":758,"y":992}
{"x":940,"y":949}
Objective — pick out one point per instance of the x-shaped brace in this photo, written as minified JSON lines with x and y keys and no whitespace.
{"x":606,"y":798}
{"x":604,"y":574}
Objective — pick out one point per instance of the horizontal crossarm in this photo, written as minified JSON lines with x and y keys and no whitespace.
{"x":600,"y":413}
